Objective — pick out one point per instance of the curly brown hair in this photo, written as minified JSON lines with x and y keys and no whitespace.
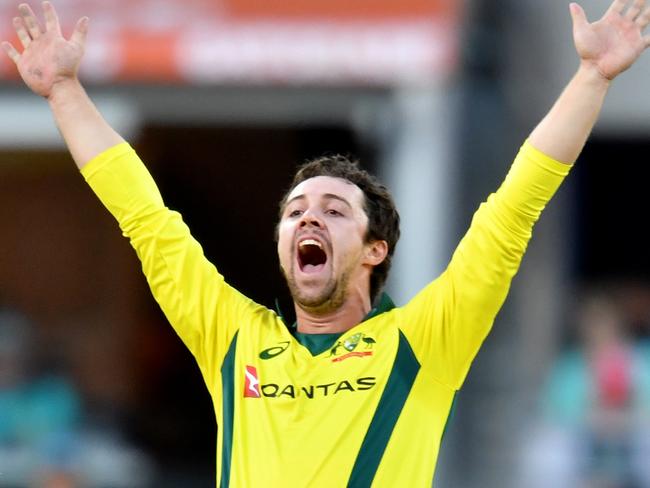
{"x":383,"y":218}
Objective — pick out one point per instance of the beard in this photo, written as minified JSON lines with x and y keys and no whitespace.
{"x":331,"y":296}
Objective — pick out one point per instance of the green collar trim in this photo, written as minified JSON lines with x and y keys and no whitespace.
{"x":318,"y":343}
{"x":384,"y":305}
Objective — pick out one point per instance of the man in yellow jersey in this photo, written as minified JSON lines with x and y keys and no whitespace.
{"x":360,"y":393}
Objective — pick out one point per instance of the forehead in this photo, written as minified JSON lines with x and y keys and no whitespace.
{"x":320,"y":187}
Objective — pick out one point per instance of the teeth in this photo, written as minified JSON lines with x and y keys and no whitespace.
{"x":310,"y":242}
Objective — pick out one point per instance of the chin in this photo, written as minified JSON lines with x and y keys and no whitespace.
{"x":327,"y":300}
{"x":315,"y":297}
{"x":310,"y":300}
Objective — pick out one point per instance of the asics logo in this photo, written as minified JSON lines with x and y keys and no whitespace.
{"x":273,"y":351}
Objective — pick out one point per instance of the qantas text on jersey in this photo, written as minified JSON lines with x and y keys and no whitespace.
{"x":277,"y":390}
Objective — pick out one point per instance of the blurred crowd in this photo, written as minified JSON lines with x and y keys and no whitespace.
{"x":48,"y":437}
{"x":594,"y":422}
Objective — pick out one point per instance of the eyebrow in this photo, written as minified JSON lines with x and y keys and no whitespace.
{"x":327,"y":196}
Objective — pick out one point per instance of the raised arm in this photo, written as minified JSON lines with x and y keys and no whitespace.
{"x":49,"y":65}
{"x":606,"y":48}
{"x":204,"y":310}
{"x":448,"y":320}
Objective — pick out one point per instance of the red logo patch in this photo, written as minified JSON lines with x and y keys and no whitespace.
{"x":352,"y":355}
{"x":252,"y":383}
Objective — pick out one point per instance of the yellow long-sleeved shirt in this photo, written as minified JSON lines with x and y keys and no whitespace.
{"x":371,"y":408}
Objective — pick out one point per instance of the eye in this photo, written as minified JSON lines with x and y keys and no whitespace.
{"x":295,"y":213}
{"x":333,"y":212}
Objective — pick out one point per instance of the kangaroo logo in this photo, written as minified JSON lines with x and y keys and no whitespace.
{"x":350,"y":344}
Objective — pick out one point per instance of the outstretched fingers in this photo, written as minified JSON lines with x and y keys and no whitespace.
{"x":644,"y":19}
{"x":51,"y":19}
{"x":616,"y":7}
{"x":21,"y":32}
{"x":80,"y":31}
{"x":634,"y":10}
{"x":11,"y":51}
{"x":28,"y":29}
{"x":29,"y":18}
{"x":578,"y":16}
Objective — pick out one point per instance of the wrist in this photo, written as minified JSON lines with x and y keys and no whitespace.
{"x":590,"y":72}
{"x":63,"y":90}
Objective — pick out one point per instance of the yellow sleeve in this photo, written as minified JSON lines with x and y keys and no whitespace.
{"x":204,"y":310}
{"x":448,"y":320}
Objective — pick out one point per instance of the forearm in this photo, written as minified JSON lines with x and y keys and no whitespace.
{"x":84,"y":130}
{"x":490,"y":253}
{"x":562,"y":133}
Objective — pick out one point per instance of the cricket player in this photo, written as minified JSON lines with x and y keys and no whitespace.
{"x":358,"y":391}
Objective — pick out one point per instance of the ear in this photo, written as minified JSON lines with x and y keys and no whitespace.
{"x":376,"y":252}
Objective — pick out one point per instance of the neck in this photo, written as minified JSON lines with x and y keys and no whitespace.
{"x":351,"y":313}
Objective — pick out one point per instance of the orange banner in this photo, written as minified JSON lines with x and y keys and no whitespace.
{"x":361,"y":42}
{"x":340,"y":9}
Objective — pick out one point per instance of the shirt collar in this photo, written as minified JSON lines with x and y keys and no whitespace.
{"x":384,"y":304}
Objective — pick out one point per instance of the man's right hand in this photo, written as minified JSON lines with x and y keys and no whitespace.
{"x":49,"y":64}
{"x":48,"y":59}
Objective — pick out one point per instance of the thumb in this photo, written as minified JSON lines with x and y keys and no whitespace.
{"x":578,"y":16}
{"x":80,"y":31}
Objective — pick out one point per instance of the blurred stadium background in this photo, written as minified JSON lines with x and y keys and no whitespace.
{"x":222,"y":98}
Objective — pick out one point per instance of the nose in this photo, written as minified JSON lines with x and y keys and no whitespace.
{"x":309,"y":217}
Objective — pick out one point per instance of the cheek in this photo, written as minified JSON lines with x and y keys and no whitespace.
{"x":350,"y":243}
{"x":284,"y":242}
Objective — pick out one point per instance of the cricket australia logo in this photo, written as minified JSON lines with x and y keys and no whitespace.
{"x":347,"y":348}
{"x":252,"y":383}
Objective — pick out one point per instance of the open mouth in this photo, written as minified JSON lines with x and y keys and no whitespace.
{"x":311,"y":256}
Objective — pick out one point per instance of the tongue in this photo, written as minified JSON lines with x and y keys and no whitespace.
{"x":312,"y":268}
